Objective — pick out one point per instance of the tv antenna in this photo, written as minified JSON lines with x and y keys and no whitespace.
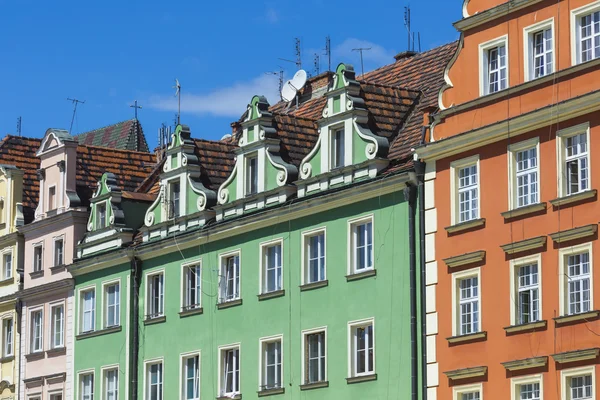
{"x":136,"y":107}
{"x":178,"y":95}
{"x":290,"y":88}
{"x":328,"y":52}
{"x":317,"y":64}
{"x":75,"y":102}
{"x":19,"y":126}
{"x":280,"y":75}
{"x":411,"y":35}
{"x":360,"y":50}
{"x":298,"y":61}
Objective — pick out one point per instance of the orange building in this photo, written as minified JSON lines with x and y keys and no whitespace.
{"x":512,"y":207}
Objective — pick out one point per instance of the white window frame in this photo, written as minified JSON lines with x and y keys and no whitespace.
{"x":563,"y":279}
{"x":35,"y":246}
{"x":99,"y":206}
{"x":220,"y":366}
{"x":184,"y":285}
{"x":576,"y":15}
{"x":456,"y":277}
{"x":352,"y":326}
{"x":222,"y":275}
{"x":561,"y":136}
{"x":5,"y":254}
{"x":103,"y":386}
{"x":305,"y":334}
{"x":82,"y":310}
{"x":514,"y":292}
{"x":183,"y":357}
{"x":458,"y":391}
{"x":80,"y":377}
{"x":52,"y":207}
{"x":262,"y":342}
{"x":263,"y":273}
{"x":117,"y":305}
{"x":11,"y":341}
{"x":60,"y":238}
{"x":515,"y":384}
{"x":455,"y":167}
{"x":333,"y":131}
{"x":513,"y":150}
{"x":528,"y":45}
{"x":32,"y":327}
{"x":149,"y":275}
{"x":53,"y":395}
{"x":483,"y":64}
{"x":352,"y":261}
{"x":147,"y":365}
{"x":247,"y":176}
{"x":53,"y":326}
{"x":566,"y":374}
{"x":305,"y":256}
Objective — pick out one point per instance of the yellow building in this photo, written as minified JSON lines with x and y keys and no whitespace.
{"x":11,"y":268}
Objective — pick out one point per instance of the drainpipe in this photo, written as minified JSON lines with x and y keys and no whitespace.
{"x":410,"y":194}
{"x":420,"y":170}
{"x":136,"y":269}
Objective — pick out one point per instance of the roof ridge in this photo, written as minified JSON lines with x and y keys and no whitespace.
{"x":213,"y":141}
{"x":104,"y":127}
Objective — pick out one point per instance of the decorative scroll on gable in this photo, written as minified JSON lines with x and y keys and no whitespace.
{"x":261,"y":177}
{"x":183,"y":201}
{"x":347,"y":150}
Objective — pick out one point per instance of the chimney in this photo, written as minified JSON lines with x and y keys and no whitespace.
{"x":404,"y":55}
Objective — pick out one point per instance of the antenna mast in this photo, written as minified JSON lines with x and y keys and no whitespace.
{"x":75,"y":102}
{"x":407,"y":25}
{"x":19,"y":126}
{"x":280,"y":75}
{"x":360,"y":50}
{"x":328,"y":52}
{"x":317,"y":64}
{"x":178,"y":95}
{"x":298,"y":54}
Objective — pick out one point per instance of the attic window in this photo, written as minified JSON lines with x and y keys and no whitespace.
{"x":337,"y":149}
{"x":101,"y":215}
{"x":52,"y":198}
{"x":174,"y":191}
{"x":251,"y":175}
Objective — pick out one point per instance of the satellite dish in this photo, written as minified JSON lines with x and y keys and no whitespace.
{"x":226,"y":136}
{"x":291,"y":87}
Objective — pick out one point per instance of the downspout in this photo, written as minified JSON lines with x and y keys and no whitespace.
{"x":136,"y":269}
{"x":409,"y":194}
{"x":420,"y":170}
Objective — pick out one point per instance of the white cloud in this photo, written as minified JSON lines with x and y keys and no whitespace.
{"x":228,"y":101}
{"x":271,"y":15}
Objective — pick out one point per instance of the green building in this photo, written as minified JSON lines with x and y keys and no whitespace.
{"x":281,"y":261}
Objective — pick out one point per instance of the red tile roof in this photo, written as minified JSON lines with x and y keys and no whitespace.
{"x":125,"y":135}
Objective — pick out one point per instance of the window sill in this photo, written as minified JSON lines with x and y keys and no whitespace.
{"x":524,"y":328}
{"x":228,"y":304}
{"x":574,"y":198}
{"x":271,"y":295}
{"x":57,"y":351}
{"x":472,"y":337}
{"x":465,"y":226}
{"x":524,"y":211}
{"x":38,"y":355}
{"x":314,"y":285}
{"x":155,"y":320}
{"x":361,"y":275}
{"x":58,"y":268}
{"x":576,"y":318}
{"x":36,"y":274}
{"x":362,"y":378}
{"x":186,"y":312}
{"x":271,"y":392}
{"x":7,"y":281}
{"x":230,"y":397}
{"x":7,"y":359}
{"x":314,"y":385}
{"x":99,"y":332}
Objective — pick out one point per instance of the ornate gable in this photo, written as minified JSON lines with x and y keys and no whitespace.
{"x":261,"y":177}
{"x":347,"y":150}
{"x":183,"y":201}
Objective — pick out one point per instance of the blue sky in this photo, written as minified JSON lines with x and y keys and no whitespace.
{"x":111,"y":53}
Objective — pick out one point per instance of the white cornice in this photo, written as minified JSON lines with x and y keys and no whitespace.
{"x":491,"y":14}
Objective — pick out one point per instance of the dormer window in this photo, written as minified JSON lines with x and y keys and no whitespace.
{"x":251,"y":175}
{"x":337,"y":149}
{"x":174,"y":192}
{"x":52,"y":198}
{"x":101,"y":214}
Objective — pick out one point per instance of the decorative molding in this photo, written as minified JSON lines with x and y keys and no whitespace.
{"x":466,"y":373}
{"x":491,"y":14}
{"x":576,"y":355}
{"x":575,"y":233}
{"x":574,"y":198}
{"x":526,"y":363}
{"x":524,"y":245}
{"x":463,"y":226}
{"x":532,"y":326}
{"x":467,"y":338}
{"x":519,"y":212}
{"x":465,"y":259}
{"x":583,"y":317}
